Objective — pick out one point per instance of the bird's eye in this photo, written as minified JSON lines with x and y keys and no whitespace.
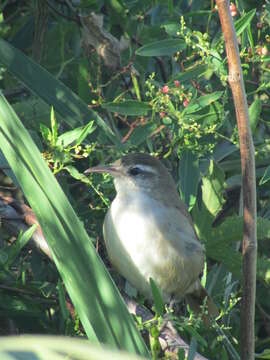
{"x":134,"y":171}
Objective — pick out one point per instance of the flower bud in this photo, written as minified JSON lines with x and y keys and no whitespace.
{"x":185,"y":102}
{"x":165,"y":89}
{"x":162,"y":114}
{"x":233,"y":9}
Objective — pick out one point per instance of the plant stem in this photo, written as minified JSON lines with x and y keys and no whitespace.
{"x":249,"y":245}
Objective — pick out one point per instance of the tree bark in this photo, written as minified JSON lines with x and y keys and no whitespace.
{"x":249,"y":245}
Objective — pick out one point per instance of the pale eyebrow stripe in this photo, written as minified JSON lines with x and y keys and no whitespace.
{"x":146,"y":168}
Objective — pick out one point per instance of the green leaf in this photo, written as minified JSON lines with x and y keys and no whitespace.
{"x":203,"y":101}
{"x":242,"y":23}
{"x":195,"y":334}
{"x":46,"y":133}
{"x":189,"y":176}
{"x":76,"y":136}
{"x":62,"y":300}
{"x":158,"y":301}
{"x":231,"y":230}
{"x":181,"y":354}
{"x":219,"y":241}
{"x":88,"y":129}
{"x":212,"y":189}
{"x":14,"y":304}
{"x":254,"y":112}
{"x":192,"y":349}
{"x":263,"y":228}
{"x":227,"y":233}
{"x":73,"y":110}
{"x":266,"y":176}
{"x":264,"y":355}
{"x":225,"y":254}
{"x":136,"y":85}
{"x":22,"y":240}
{"x":54,"y":128}
{"x":202,"y":220}
{"x":263,"y":269}
{"x":166,"y":47}
{"x":34,"y":111}
{"x":102,"y":312}
{"x":250,"y":38}
{"x":33,"y":347}
{"x":140,"y":134}
{"x":212,"y":114}
{"x":3,"y":257}
{"x":172,"y":28}
{"x":129,"y":107}
{"x":223,"y":150}
{"x":76,"y":174}
{"x":193,"y":73}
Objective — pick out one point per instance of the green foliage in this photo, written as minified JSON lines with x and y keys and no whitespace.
{"x":169,"y":96}
{"x":129,"y":108}
{"x":64,"y":149}
{"x":189,"y":175}
{"x":158,"y":301}
{"x":162,"y":48}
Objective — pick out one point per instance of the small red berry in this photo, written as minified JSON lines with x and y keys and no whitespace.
{"x":185,"y":102}
{"x":233,"y":9}
{"x":165,"y":89}
{"x":162,"y":114}
{"x":176,"y":83}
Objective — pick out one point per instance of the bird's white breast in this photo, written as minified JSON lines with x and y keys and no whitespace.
{"x":145,"y":239}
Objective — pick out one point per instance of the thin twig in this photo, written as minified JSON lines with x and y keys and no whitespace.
{"x":249,"y":247}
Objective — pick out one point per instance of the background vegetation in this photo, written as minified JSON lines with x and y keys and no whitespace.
{"x":125,"y":76}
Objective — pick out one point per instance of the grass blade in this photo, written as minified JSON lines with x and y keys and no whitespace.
{"x":74,"y":111}
{"x":96,"y":299}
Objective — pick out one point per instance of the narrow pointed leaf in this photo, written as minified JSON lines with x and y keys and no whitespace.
{"x":73,"y":110}
{"x":166,"y":47}
{"x":189,"y":176}
{"x":266,"y":176}
{"x":33,"y":347}
{"x":158,"y":301}
{"x":203,"y":101}
{"x":254,"y":112}
{"x":129,"y":107}
{"x":190,"y":74}
{"x":96,"y":299}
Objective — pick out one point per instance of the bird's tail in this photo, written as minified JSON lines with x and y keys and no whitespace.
{"x":201,"y":302}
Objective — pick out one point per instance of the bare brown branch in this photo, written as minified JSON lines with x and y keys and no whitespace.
{"x":249,"y":246}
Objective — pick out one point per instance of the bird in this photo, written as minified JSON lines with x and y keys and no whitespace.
{"x":149,"y":233}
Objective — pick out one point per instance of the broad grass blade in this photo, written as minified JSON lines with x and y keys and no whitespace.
{"x":96,"y":299}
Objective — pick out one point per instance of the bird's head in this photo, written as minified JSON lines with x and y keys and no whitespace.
{"x":138,"y":172}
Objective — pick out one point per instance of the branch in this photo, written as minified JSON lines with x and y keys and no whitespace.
{"x":249,"y":246}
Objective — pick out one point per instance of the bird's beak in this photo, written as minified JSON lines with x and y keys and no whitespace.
{"x":110,"y":169}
